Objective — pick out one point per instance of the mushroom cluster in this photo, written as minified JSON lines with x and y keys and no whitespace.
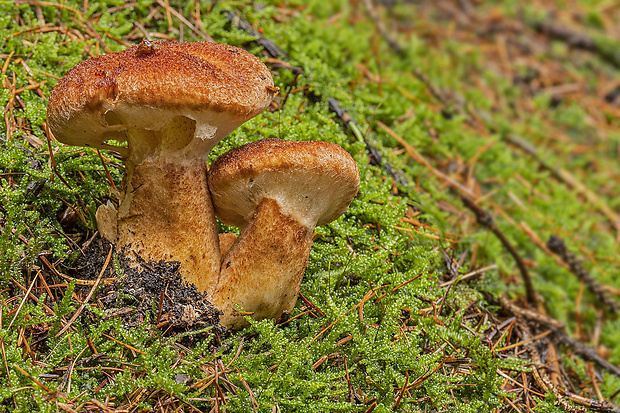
{"x":172,"y":103}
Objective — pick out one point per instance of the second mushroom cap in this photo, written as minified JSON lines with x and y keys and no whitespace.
{"x":313,"y":181}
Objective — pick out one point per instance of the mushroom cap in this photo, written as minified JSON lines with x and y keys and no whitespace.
{"x":147,"y":86}
{"x":312,"y":181}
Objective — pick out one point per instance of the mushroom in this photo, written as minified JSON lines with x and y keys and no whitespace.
{"x":172,"y":103}
{"x":277,"y":191}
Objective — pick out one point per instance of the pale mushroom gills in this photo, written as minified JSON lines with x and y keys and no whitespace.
{"x":277,"y":191}
{"x":172,"y":103}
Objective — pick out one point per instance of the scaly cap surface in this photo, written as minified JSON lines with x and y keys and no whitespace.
{"x":147,"y":86}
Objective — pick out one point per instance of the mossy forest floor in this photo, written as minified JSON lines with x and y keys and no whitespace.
{"x":482,"y":129}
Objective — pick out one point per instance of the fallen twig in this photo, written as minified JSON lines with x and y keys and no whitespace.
{"x":557,"y":388}
{"x":529,"y":314}
{"x":557,"y":245}
{"x":334,"y":106}
{"x":268,"y":45}
{"x":578,"y":347}
{"x":90,"y":294}
{"x":588,"y":353}
{"x":372,"y":13}
{"x":375,"y":156}
{"x":594,"y":405}
{"x":485,"y":219}
{"x":544,"y":382}
{"x":577,"y":40}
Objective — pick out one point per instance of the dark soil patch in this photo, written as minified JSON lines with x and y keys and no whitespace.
{"x":155,"y":291}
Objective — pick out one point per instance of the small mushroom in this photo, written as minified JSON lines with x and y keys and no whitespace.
{"x":172,"y":103}
{"x":277,"y":192}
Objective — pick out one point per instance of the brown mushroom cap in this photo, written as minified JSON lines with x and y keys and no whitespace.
{"x":312,"y":181}
{"x":151,"y":85}
{"x":171,"y":103}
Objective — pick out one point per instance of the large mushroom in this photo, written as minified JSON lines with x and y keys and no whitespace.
{"x":172,"y":103}
{"x":277,"y":191}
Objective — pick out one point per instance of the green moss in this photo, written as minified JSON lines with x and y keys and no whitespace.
{"x":372,"y":275}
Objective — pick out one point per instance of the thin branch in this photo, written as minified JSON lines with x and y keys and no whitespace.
{"x":88,"y":297}
{"x":557,"y":245}
{"x":577,"y":40}
{"x":334,"y":106}
{"x":205,"y":36}
{"x":485,"y":219}
{"x":268,"y":45}
{"x":376,"y":19}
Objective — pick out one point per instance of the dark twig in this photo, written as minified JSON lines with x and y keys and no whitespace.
{"x":268,"y":45}
{"x":374,"y":16}
{"x":585,"y":351}
{"x":545,"y":383}
{"x":577,"y":40}
{"x":334,"y":106}
{"x":529,"y":314}
{"x":485,"y":219}
{"x":557,"y":245}
{"x":557,"y":327}
{"x":593,"y":405}
{"x":572,"y":38}
{"x":374,"y":154}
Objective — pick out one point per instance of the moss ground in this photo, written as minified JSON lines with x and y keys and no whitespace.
{"x":409,"y":302}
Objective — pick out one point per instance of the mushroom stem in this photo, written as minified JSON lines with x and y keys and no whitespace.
{"x":171,"y":227}
{"x":263,"y":270}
